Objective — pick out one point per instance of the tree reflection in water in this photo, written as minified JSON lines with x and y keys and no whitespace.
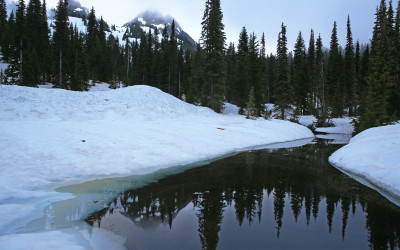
{"x":299,"y":180}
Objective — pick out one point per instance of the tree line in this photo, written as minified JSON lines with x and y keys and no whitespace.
{"x":312,"y":80}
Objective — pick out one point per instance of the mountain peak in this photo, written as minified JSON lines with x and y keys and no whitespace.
{"x":153,"y":17}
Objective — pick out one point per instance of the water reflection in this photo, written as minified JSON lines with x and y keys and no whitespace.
{"x":282,"y":198}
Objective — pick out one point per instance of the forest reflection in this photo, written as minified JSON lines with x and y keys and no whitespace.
{"x":300,"y":179}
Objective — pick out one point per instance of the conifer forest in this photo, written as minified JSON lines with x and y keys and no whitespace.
{"x":324,"y":80}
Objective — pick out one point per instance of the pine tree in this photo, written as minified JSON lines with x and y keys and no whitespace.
{"x":196,"y":80}
{"x":255,"y":73}
{"x":357,"y":76}
{"x":20,"y":38}
{"x":44,"y":47}
{"x":213,"y":36}
{"x":242,"y":83}
{"x":349,"y":72}
{"x":379,"y":73}
{"x":61,"y":40}
{"x":312,"y":73}
{"x":299,"y":79}
{"x":172,"y":62}
{"x":251,"y":110}
{"x":334,"y":77}
{"x":283,"y":90}
{"x":3,"y":21}
{"x":322,"y":109}
{"x":8,"y":45}
{"x":395,"y":99}
{"x":263,"y":65}
{"x":33,"y":70}
{"x":231,"y":69}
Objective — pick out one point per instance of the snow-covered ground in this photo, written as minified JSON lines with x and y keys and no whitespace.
{"x":373,"y":155}
{"x":51,"y":137}
{"x":341,"y":126}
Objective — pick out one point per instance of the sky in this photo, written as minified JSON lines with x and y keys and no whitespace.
{"x":256,"y":15}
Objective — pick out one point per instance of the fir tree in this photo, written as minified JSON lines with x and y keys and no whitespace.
{"x":312,"y":72}
{"x":172,"y":62}
{"x":322,"y":109}
{"x":255,"y":73}
{"x":242,"y":83}
{"x":44,"y":47}
{"x":213,"y":36}
{"x":8,"y":45}
{"x":230,"y":64}
{"x":61,"y":40}
{"x":334,"y":76}
{"x":3,"y":21}
{"x":33,"y":70}
{"x":299,"y":79}
{"x":20,"y":39}
{"x":283,"y":90}
{"x":251,"y":110}
{"x":349,"y":72}
{"x":379,"y":73}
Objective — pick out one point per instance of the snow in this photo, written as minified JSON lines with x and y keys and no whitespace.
{"x":75,"y":21}
{"x":50,"y":138}
{"x":78,"y":22}
{"x":373,"y":155}
{"x":140,"y":19}
{"x":341,"y":126}
{"x":307,"y":120}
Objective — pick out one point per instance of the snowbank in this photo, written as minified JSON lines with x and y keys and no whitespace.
{"x":375,"y":156}
{"x":51,"y":137}
{"x":341,"y":126}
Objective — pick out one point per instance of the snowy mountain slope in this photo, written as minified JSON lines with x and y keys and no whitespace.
{"x":154,"y":20}
{"x":51,"y":137}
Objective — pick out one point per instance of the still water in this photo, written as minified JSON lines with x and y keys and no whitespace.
{"x":266,"y":199}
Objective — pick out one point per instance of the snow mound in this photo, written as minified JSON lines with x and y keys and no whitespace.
{"x":138,"y":102}
{"x":375,"y":156}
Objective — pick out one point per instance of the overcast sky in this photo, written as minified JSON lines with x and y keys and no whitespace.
{"x":257,"y":15}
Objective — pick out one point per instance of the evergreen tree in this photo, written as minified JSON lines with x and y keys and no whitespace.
{"x":263,"y":65}
{"x":61,"y":41}
{"x":255,"y":73}
{"x":322,"y":109}
{"x":242,"y":83}
{"x":299,"y":79}
{"x":33,"y":70}
{"x":231,"y":71}
{"x":357,"y":76}
{"x":379,"y":72}
{"x":79,"y":74}
{"x":44,"y":47}
{"x":312,"y":73}
{"x":3,"y":21}
{"x":8,"y":45}
{"x":349,"y":72}
{"x":213,"y":36}
{"x":283,"y":90}
{"x":196,"y":80}
{"x":251,"y":110}
{"x":20,"y":39}
{"x":334,"y":77}
{"x":172,"y":62}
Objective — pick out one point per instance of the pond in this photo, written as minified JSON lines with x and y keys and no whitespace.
{"x":265,"y":199}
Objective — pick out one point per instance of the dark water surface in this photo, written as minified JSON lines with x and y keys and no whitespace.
{"x":280,"y":199}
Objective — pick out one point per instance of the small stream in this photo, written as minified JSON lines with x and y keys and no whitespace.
{"x":267,"y":199}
